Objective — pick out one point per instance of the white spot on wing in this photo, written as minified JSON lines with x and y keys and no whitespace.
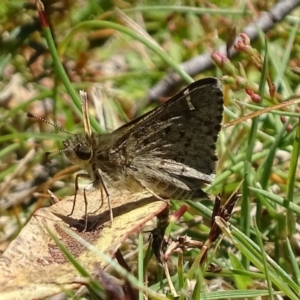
{"x":188,"y":99}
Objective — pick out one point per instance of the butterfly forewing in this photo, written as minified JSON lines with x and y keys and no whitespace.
{"x":171,"y":147}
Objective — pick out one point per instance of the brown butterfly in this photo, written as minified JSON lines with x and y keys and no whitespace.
{"x":169,"y":151}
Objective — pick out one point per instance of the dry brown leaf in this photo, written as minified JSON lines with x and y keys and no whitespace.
{"x":33,"y":267}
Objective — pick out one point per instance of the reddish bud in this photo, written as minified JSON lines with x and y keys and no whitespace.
{"x":254,"y":97}
{"x":218,"y":58}
{"x":289,"y":128}
{"x":243,"y":45}
{"x":223,"y":63}
{"x":245,"y":38}
{"x":283,"y":119}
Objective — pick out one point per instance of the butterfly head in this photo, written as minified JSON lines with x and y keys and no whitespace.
{"x":79,"y":150}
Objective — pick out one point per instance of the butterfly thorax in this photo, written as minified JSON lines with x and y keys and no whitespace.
{"x":93,"y":154}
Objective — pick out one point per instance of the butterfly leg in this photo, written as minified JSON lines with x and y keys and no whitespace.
{"x":84,"y":195}
{"x":103,"y":185}
{"x":155,"y":195}
{"x":85,"y":210}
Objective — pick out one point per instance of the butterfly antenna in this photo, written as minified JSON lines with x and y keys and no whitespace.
{"x":30,"y":115}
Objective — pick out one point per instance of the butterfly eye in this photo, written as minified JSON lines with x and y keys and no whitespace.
{"x":83,"y":152}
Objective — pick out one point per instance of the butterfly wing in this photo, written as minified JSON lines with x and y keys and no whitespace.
{"x":175,"y":143}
